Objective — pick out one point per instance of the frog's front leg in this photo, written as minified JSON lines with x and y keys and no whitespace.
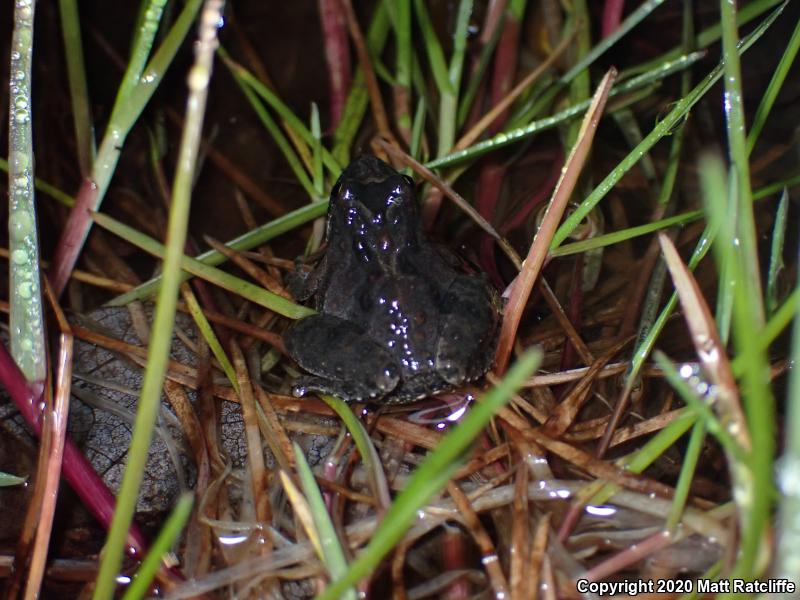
{"x":304,"y":284}
{"x":467,"y":331}
{"x":345,"y":362}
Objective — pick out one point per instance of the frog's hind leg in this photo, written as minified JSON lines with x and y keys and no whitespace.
{"x":345,"y":362}
{"x":468,"y":330}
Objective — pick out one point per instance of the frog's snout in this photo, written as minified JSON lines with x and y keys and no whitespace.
{"x":368,"y":169}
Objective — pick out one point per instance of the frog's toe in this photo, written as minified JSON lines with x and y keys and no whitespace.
{"x":452,"y":371}
{"x":347,"y":391}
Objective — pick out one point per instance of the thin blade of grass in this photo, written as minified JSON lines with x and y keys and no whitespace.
{"x":523,"y":285}
{"x":332,"y":554}
{"x":245,"y":289}
{"x":78,"y":90}
{"x":788,"y":524}
{"x":738,"y":155}
{"x":7,"y":479}
{"x":26,"y":321}
{"x":776,"y":254}
{"x":170,"y":532}
{"x":281,"y":108}
{"x":130,"y":103}
{"x":707,"y":344}
{"x":372,"y":462}
{"x":664,"y":127}
{"x":207,"y":332}
{"x":246,"y":241}
{"x":163,"y":320}
{"x":688,"y":467}
{"x":516,"y":134}
{"x":432,"y":475}
{"x":295,"y":164}
{"x":433,"y":48}
{"x":759,"y":403}
{"x":623,"y":235}
{"x":448,"y":97}
{"x":774,"y":86}
{"x":704,"y":414}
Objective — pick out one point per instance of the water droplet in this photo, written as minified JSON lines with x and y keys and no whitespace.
{"x":25,"y":290}
{"x":19,"y":160}
{"x":20,"y":224}
{"x":21,"y":116}
{"x":19,"y":257}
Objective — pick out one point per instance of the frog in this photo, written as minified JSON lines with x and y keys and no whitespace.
{"x":398,"y":317}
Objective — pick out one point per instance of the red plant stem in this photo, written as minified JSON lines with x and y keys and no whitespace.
{"x":569,"y":355}
{"x":77,"y":470}
{"x":74,"y":234}
{"x":505,"y":68}
{"x":490,"y":180}
{"x":612,"y":16}
{"x":543,"y":194}
{"x":337,"y":55}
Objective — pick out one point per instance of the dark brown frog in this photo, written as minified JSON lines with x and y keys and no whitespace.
{"x":398,"y":318}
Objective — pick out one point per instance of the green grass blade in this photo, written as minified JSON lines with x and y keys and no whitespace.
{"x":127,"y":109}
{"x":516,"y":134}
{"x":333,"y":555}
{"x":433,"y":49}
{"x":246,"y":241}
{"x":6,"y":479}
{"x":205,"y":330}
{"x":46,"y":188}
{"x":664,"y":127}
{"x":164,"y":317}
{"x":366,"y":449}
{"x":789,"y":468}
{"x":636,"y":17}
{"x":698,"y":407}
{"x":432,"y":475}
{"x":737,"y":152}
{"x":170,"y":531}
{"x":755,"y":386}
{"x":25,"y":295}
{"x":277,"y":135}
{"x":448,"y":97}
{"x":623,"y":235}
{"x":775,"y":85}
{"x":417,"y":130}
{"x":776,"y":253}
{"x":688,"y":466}
{"x":78,"y":90}
{"x":245,"y":289}
{"x":281,"y":108}
{"x":146,"y":29}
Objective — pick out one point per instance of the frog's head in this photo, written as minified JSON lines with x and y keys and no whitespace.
{"x":373,"y":193}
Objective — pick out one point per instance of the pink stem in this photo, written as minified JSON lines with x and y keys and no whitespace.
{"x":74,"y":234}
{"x":77,"y":470}
{"x":612,"y":16}
{"x":337,"y":55}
